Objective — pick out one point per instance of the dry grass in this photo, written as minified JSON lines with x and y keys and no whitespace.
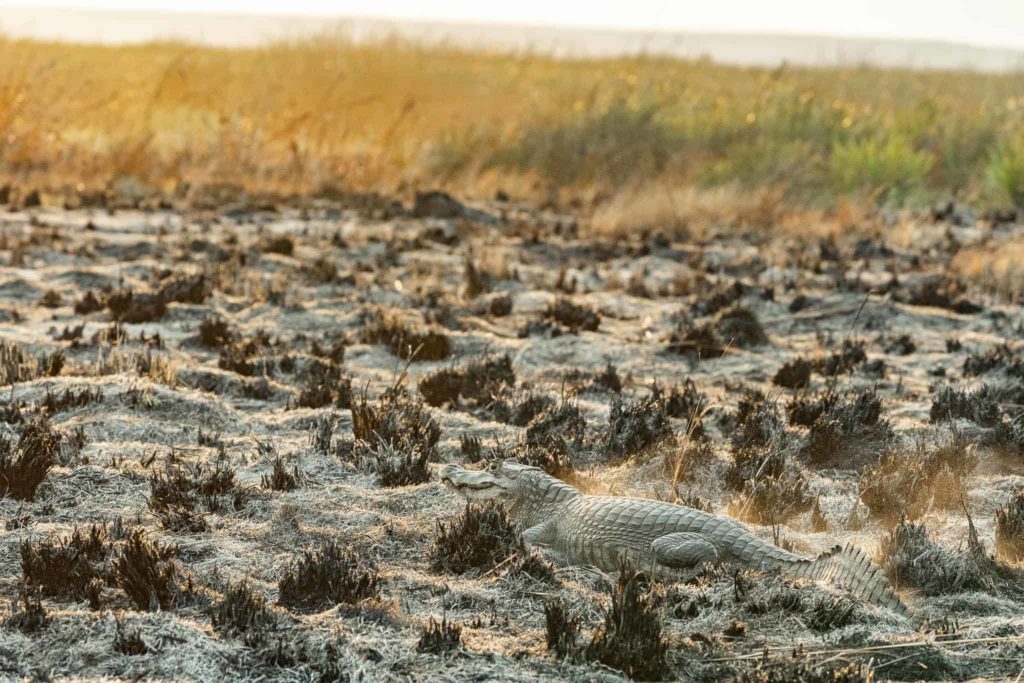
{"x":647,"y":141}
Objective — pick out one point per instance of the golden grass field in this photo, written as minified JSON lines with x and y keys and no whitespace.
{"x":646,"y":139}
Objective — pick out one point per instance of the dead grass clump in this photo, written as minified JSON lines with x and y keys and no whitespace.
{"x":980,"y":406}
{"x":278,"y":244}
{"x":400,"y":467}
{"x":910,"y":481}
{"x":476,"y":384}
{"x":794,"y":374}
{"x":695,"y":341}
{"x":146,"y":571}
{"x":802,"y":670}
{"x":185,"y":289}
{"x":848,"y":432}
{"x":471,"y":447}
{"x":561,"y":423}
{"x":325,"y":385}
{"x":17,"y":365}
{"x":24,"y":465}
{"x":844,"y":361}
{"x":27,"y":612}
{"x":574,"y":317}
{"x":940,"y":291}
{"x":479,"y":539}
{"x":901,"y":345}
{"x":70,"y":399}
{"x":51,"y":299}
{"x":1010,"y":528}
{"x":561,"y":628}
{"x":738,"y":326}
{"x":128,"y":306}
{"x":214,"y":333}
{"x":176,"y":495}
{"x":637,"y":426}
{"x":913,"y":560}
{"x":630,"y":639}
{"x":999,"y":357}
{"x":70,"y":566}
{"x":397,"y":420}
{"x":497,"y":305}
{"x":242,"y":612}
{"x":242,"y":355}
{"x":440,"y":637}
{"x":770,"y":485}
{"x":684,"y":402}
{"x":405,"y":340}
{"x":326,"y":577}
{"x":89,"y":303}
{"x":128,"y":640}
{"x":280,"y":479}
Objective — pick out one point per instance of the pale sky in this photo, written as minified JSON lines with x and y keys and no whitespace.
{"x":978,"y":22}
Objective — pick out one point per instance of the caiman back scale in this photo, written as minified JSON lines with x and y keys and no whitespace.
{"x":667,"y":541}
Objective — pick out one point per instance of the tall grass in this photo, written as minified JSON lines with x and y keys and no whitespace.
{"x":327,"y":112}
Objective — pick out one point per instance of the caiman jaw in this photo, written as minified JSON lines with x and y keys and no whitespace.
{"x":472,"y":485}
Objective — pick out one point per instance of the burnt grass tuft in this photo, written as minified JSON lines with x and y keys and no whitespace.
{"x":911,"y":559}
{"x":326,"y":577}
{"x":1010,"y":528}
{"x":68,"y":567}
{"x":243,"y":613}
{"x":796,"y":669}
{"x":281,"y":478}
{"x":636,"y":426}
{"x":128,"y":639}
{"x":440,"y":637}
{"x":481,"y":538}
{"x":846,"y":430}
{"x":27,"y":613}
{"x":769,"y":485}
{"x":630,"y":638}
{"x":215,"y":333}
{"x":407,"y":341}
{"x":180,"y":493}
{"x":25,"y":464}
{"x":395,"y":437}
{"x":325,"y":384}
{"x":476,"y":385}
{"x":147,"y":572}
{"x":572,"y":316}
{"x":561,"y":628}
{"x":794,"y":374}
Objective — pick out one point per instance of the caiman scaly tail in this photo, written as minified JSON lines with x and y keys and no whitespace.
{"x":851,"y":568}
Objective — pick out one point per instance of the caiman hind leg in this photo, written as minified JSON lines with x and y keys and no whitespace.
{"x":684,"y":550}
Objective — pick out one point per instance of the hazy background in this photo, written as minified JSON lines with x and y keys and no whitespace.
{"x":984,"y":35}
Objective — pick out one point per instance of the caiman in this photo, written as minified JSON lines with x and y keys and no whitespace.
{"x":666,"y":541}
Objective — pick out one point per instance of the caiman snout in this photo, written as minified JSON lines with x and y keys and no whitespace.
{"x":448,"y":474}
{"x":466,"y":482}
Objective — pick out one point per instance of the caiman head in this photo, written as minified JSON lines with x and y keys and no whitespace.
{"x":507,"y":481}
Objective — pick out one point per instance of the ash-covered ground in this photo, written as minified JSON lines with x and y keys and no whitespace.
{"x":241,"y":412}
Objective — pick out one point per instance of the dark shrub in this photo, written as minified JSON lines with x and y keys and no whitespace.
{"x":68,"y":567}
{"x":326,"y":577}
{"x":630,"y":639}
{"x":479,"y":539}
{"x":24,"y":465}
{"x":573,"y":316}
{"x":146,"y":571}
{"x":440,"y":637}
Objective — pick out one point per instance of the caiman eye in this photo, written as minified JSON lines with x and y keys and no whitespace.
{"x":493,"y":467}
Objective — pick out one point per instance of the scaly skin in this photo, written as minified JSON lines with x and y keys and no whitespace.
{"x":669,"y":542}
